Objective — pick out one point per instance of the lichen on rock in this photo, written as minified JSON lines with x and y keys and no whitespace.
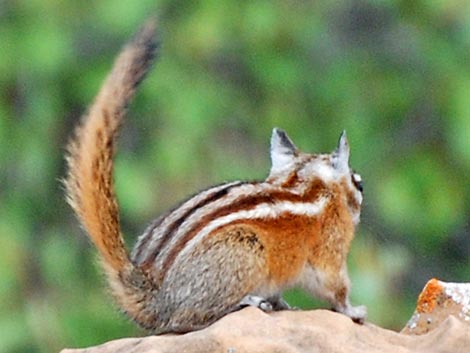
{"x":437,"y":301}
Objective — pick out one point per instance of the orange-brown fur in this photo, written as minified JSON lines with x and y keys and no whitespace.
{"x":89,"y":183}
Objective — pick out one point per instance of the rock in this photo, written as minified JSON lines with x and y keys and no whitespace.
{"x":437,"y":301}
{"x":251,"y":330}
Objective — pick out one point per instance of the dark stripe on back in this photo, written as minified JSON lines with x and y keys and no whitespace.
{"x":142,"y":244}
{"x":177,"y":223}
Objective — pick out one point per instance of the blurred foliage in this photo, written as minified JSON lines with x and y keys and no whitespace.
{"x":394,"y":74}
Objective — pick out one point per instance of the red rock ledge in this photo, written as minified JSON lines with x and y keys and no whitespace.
{"x":440,"y":325}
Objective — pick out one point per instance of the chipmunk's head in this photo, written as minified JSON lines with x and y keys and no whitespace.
{"x":289,"y":163}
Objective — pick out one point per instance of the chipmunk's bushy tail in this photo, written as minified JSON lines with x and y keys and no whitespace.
{"x":89,"y":182}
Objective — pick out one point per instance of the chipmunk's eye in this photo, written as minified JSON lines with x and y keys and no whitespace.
{"x":357,"y":181}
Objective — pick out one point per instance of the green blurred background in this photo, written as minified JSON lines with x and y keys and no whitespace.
{"x":394,"y":74}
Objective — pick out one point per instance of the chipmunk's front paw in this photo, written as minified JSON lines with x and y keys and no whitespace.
{"x":357,"y":313}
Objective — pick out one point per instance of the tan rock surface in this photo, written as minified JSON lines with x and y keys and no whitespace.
{"x":251,"y":330}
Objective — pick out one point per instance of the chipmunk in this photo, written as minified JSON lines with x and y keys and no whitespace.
{"x":229,"y":246}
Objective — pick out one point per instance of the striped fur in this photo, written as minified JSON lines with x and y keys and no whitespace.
{"x":234,"y":243}
{"x":198,"y":216}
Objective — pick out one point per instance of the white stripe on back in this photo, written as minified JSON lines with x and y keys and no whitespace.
{"x":262,"y":211}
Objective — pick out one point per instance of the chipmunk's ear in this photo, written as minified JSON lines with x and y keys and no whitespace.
{"x":283,"y":150}
{"x":341,"y":161}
